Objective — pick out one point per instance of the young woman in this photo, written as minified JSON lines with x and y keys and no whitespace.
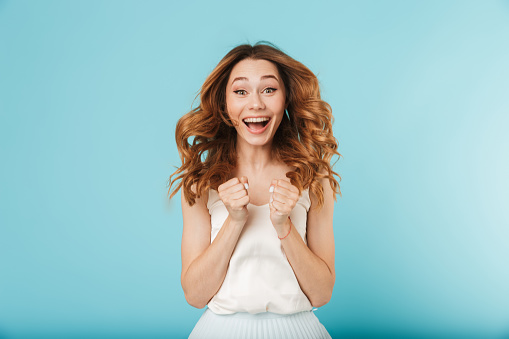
{"x":258,"y":195}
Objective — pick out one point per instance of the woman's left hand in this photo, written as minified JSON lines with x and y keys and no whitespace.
{"x":282,"y":201}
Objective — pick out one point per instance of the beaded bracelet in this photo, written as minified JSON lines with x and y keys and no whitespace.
{"x":288,"y":230}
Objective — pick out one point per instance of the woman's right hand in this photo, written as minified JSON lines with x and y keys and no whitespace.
{"x":235,"y":197}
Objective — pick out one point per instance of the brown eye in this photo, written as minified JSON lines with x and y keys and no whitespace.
{"x":269,"y":90}
{"x":240,"y":92}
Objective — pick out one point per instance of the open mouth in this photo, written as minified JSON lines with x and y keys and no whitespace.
{"x":256,"y":124}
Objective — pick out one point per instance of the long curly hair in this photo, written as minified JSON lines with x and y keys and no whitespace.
{"x":206,"y":137}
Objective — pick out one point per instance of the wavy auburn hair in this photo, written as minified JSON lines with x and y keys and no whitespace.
{"x":206,"y":137}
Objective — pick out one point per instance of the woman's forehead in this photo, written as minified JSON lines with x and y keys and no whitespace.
{"x":253,"y":69}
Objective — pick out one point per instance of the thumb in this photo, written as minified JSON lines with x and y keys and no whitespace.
{"x":244,"y":181}
{"x":273,"y":185}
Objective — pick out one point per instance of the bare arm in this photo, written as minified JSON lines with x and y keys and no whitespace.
{"x":204,"y":265}
{"x":313,"y":264}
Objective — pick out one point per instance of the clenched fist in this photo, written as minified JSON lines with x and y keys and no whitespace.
{"x":282,"y":201}
{"x":235,"y":197}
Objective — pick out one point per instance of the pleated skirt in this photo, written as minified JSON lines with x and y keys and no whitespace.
{"x":259,"y":326}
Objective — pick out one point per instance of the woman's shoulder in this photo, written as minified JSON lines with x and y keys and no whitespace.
{"x":203,"y":198}
{"x":326,"y":190}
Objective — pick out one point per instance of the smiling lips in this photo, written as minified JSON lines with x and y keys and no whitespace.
{"x":256,"y":125}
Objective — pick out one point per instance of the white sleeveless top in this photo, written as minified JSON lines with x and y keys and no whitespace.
{"x":259,"y":277}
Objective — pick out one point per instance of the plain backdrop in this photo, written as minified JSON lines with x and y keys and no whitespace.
{"x":90,"y":93}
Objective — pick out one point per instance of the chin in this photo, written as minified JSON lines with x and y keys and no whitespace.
{"x":256,"y":141}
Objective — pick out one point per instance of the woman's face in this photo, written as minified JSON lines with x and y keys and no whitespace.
{"x":255,"y":100}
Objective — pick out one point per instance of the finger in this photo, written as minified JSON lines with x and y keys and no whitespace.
{"x":287,"y":193}
{"x":239,"y":203}
{"x":287,"y":184}
{"x":271,"y":191}
{"x":228,"y":184}
{"x":281,"y":199}
{"x":225,"y":194}
{"x":243,"y":201}
{"x":271,"y":207}
{"x":245,"y":182}
{"x":280,"y":208}
{"x":234,"y":188}
{"x":237,"y":195}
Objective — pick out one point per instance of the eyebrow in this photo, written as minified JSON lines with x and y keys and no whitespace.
{"x":261,"y":78}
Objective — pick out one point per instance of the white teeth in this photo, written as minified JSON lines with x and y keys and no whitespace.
{"x":256,"y":119}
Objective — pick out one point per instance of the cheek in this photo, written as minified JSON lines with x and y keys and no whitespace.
{"x":232,"y":108}
{"x":278,"y":103}
{"x":233,"y":112}
{"x":279,"y":109}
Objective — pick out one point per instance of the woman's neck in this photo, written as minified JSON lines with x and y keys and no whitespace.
{"x":254,"y":158}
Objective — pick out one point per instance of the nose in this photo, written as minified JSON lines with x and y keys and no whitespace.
{"x":256,"y":102}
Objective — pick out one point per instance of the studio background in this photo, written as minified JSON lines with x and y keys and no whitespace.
{"x":90,"y":93}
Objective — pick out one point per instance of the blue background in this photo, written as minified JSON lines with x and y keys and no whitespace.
{"x":90,"y":93}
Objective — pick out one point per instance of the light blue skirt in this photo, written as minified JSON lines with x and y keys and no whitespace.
{"x":257,"y":326}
